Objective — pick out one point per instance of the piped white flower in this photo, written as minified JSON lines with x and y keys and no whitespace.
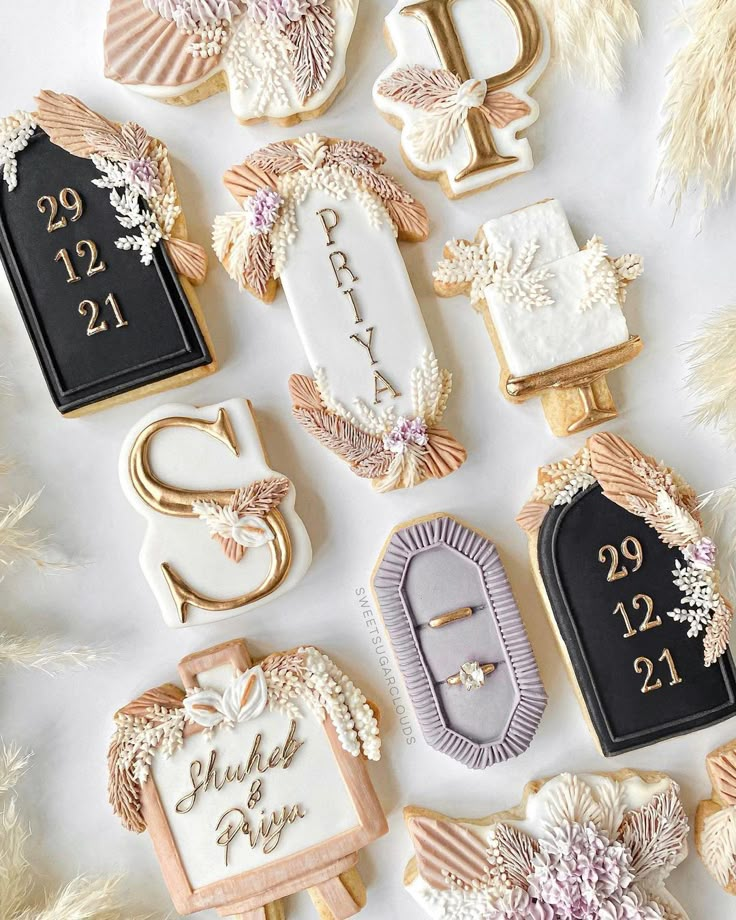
{"x":247,"y":530}
{"x":244,"y":699}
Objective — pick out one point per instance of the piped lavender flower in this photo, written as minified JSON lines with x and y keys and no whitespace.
{"x":263,"y":210}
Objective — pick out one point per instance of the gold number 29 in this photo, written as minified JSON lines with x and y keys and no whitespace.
{"x":70,"y":200}
{"x":631,"y":549}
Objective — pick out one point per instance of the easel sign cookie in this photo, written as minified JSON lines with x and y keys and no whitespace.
{"x":319,"y":216}
{"x":578,"y":846}
{"x":222,"y":535}
{"x":631,"y":584}
{"x":459,"y":88}
{"x":715,"y":821}
{"x":93,"y":240}
{"x":449,"y":611}
{"x":252,"y":782}
{"x":279,"y":60}
{"x":554,"y":312}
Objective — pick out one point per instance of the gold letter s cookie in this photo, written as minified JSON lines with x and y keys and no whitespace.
{"x":214,"y":547}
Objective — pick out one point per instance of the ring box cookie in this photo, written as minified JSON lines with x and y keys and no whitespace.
{"x":459,"y":639}
{"x":93,"y":239}
{"x":553,"y":311}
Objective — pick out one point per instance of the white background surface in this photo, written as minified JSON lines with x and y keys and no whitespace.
{"x":599,"y":156}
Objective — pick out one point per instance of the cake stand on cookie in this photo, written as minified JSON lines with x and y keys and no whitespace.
{"x":553,"y":311}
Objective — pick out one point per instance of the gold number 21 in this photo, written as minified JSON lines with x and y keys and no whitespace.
{"x":96,"y":325}
{"x":645,"y":664}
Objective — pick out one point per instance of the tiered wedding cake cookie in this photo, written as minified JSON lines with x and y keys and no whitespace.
{"x":252,"y":781}
{"x":459,"y":640}
{"x":281,"y":60}
{"x":93,"y":240}
{"x":553,"y":310}
{"x":458,"y":88}
{"x":579,"y":846}
{"x":222,"y":535}
{"x":631,"y":584}
{"x":319,"y":216}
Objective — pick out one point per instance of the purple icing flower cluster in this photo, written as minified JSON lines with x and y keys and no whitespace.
{"x":579,"y":874}
{"x":406,"y":431}
{"x":277,"y":14}
{"x":141,"y":174}
{"x":701,"y":555}
{"x":263,"y":210}
{"x":194,"y":14}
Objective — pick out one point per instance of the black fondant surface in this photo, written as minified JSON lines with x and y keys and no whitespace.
{"x":583,"y":602}
{"x":162,"y":337}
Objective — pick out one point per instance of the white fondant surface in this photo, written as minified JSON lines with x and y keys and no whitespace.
{"x":546,"y":336}
{"x":382,"y":292}
{"x":491,"y":45}
{"x":312,"y":781}
{"x":189,"y":459}
{"x":244,"y":97}
{"x":597,"y":155}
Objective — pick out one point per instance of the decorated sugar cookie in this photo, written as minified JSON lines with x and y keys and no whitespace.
{"x":631,"y":583}
{"x":553,"y":310}
{"x":459,"y":640}
{"x":319,"y":216}
{"x":458,"y":88}
{"x":281,"y":60}
{"x":223,"y":535}
{"x":587,"y":846}
{"x":715,"y":821}
{"x":93,"y":240}
{"x":251,"y":781}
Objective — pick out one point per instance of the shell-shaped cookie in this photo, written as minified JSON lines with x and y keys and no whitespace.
{"x":143,"y":48}
{"x":722,"y":769}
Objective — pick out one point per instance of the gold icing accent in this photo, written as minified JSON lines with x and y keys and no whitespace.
{"x":461,"y":614}
{"x":169,"y":500}
{"x":436,"y":16}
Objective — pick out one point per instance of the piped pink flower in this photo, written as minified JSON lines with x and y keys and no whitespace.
{"x":263,"y":210}
{"x":142,"y":175}
{"x":406,"y":431}
{"x":701,"y":555}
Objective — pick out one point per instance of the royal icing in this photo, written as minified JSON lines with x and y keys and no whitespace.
{"x":94,"y":244}
{"x":222,"y":531}
{"x":580,"y":846}
{"x":459,"y":87}
{"x":715,"y":822}
{"x":222,"y":773}
{"x":450,"y":614}
{"x":632,"y":585}
{"x":551,"y":305}
{"x":278,"y":59}
{"x":322,"y":210}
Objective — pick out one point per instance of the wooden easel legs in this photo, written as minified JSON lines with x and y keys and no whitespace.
{"x":335,"y":898}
